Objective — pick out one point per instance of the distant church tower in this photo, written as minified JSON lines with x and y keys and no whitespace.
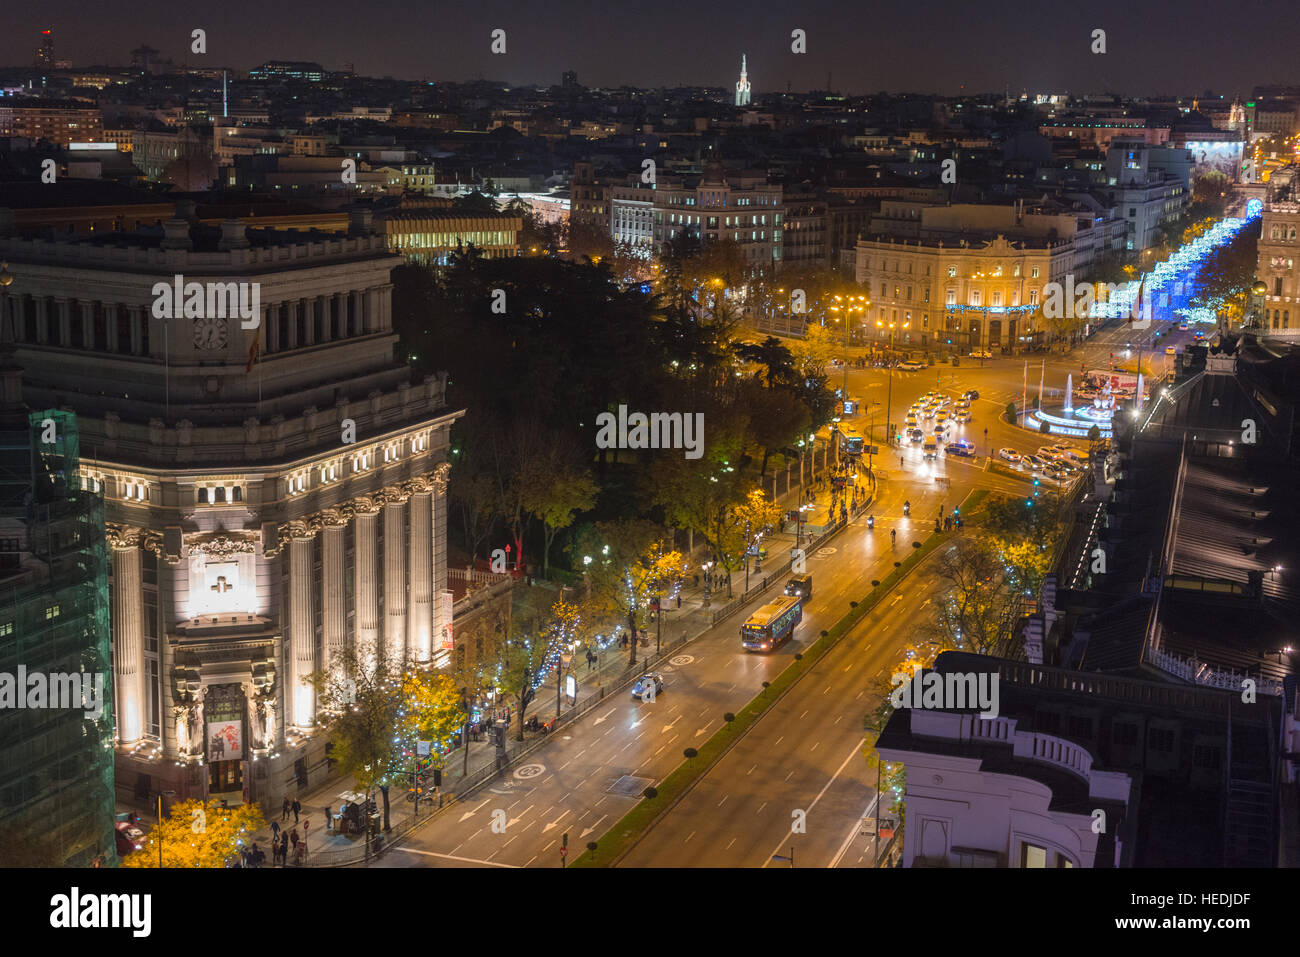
{"x":742,"y":85}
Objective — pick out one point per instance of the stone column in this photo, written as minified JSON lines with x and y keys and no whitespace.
{"x":355,"y":326}
{"x":64,"y":309}
{"x":420,"y":623}
{"x":42,"y":320}
{"x":395,"y":578}
{"x":325,"y":306}
{"x":302,"y":628}
{"x":128,"y":635}
{"x":272,"y":334}
{"x":366,"y":560}
{"x":294,"y":305}
{"x":309,"y":307}
{"x":438,"y":564}
{"x":334,"y":619}
{"x":86,"y":310}
{"x":371,"y":307}
{"x":136,"y":318}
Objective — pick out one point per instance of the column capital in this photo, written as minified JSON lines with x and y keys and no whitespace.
{"x":440,"y":476}
{"x":302,"y":530}
{"x":123,"y":536}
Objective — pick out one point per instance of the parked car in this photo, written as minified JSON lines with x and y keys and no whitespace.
{"x":961,"y":447}
{"x":1057,"y":471}
{"x":129,"y":838}
{"x":1009,"y":455}
{"x":981,"y":354}
{"x":642,"y":686}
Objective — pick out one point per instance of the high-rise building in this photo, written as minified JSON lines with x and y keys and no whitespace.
{"x":56,"y":750}
{"x":742,"y":85}
{"x":45,"y":51}
{"x":274,"y":483}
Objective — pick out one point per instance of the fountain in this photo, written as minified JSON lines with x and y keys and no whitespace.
{"x":1069,"y":392}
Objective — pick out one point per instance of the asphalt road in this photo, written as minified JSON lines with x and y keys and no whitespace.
{"x":570,"y":785}
{"x":803,"y":762}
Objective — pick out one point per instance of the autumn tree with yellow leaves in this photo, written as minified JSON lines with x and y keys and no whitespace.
{"x":199,"y":834}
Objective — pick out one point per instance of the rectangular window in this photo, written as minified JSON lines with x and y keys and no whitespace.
{"x":1032,"y":856}
{"x":951,"y":297}
{"x":1033,"y":273}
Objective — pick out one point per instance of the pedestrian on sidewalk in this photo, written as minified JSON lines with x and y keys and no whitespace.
{"x":294,"y":838}
{"x":275,"y":831}
{"x":329,"y":818}
{"x":296,"y":808}
{"x":284,"y":809}
{"x":284,"y":848}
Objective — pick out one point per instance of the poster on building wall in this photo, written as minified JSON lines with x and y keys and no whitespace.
{"x":448,"y":600}
{"x":225,"y":740}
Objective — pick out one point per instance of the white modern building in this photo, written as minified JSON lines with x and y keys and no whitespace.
{"x":275,"y":487}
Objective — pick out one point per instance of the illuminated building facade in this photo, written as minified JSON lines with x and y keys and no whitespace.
{"x":1279,"y":253}
{"x":275,"y":497}
{"x":59,"y":121}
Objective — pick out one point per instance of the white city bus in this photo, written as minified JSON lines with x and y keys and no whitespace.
{"x":772,"y":625}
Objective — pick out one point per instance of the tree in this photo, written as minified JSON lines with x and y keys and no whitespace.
{"x":632,"y":558}
{"x":432,"y":709}
{"x":362,"y":707}
{"x":977,"y":599}
{"x":555,"y":489}
{"x":523,"y":666}
{"x":199,"y":834}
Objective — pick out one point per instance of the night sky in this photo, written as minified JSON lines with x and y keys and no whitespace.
{"x":944,"y":46}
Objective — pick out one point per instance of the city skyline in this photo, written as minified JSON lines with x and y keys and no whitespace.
{"x":1171,"y":55}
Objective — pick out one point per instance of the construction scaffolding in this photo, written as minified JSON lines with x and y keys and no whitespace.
{"x":56,"y":763}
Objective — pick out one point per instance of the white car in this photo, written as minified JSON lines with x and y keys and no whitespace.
{"x":1009,"y":455}
{"x":911,"y":366}
{"x":963,"y":416}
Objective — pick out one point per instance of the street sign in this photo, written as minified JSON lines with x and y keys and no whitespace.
{"x":868,"y":827}
{"x":873,"y":450}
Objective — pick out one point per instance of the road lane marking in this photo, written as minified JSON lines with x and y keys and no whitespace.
{"x":728,"y":847}
{"x":452,"y":857}
{"x":804,"y":715}
{"x":853,"y":832}
{"x":688,"y":837}
{"x":813,"y":748}
{"x":778,"y":741}
{"x":760,"y":808}
{"x":724,"y":800}
{"x":781,"y":843}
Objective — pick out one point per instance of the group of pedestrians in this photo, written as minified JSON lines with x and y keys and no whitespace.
{"x":286,"y":840}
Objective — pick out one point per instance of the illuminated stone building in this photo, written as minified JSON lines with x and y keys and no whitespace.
{"x":275,"y":497}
